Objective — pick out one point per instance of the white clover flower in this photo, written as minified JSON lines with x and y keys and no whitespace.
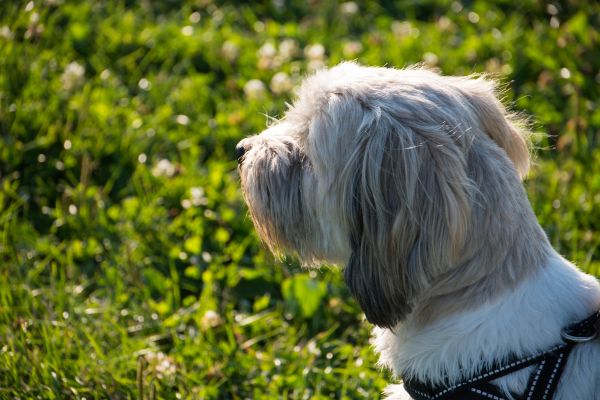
{"x":136,"y":123}
{"x":349,"y":8}
{"x":430,"y":59}
{"x":267,"y":50}
{"x":163,"y":168}
{"x":313,"y":348}
{"x":404,"y":29}
{"x":473,"y":17}
{"x":182,"y":119}
{"x":315,"y":65}
{"x":143,"y":84}
{"x":352,"y":49}
{"x":315,"y":52}
{"x":198,"y":198}
{"x":444,"y":23}
{"x":210,"y":319}
{"x":73,"y":76}
{"x":194,"y":17}
{"x":254,"y":89}
{"x":288,"y":49}
{"x":6,"y":33}
{"x":267,"y":57}
{"x":230,"y":51}
{"x":162,"y":364}
{"x":281,"y":83}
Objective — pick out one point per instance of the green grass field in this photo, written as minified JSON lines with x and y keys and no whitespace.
{"x":129,"y":266}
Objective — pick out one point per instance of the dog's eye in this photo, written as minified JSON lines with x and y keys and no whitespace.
{"x":293,"y":151}
{"x":290,"y":147}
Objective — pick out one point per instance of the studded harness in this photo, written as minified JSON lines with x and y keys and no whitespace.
{"x":542,"y":382}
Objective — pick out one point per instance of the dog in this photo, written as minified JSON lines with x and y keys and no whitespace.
{"x":412,"y":182}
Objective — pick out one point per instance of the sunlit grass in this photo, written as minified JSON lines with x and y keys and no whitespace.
{"x":129,"y":266}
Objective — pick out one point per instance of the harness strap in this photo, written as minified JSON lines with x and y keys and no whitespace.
{"x":422,"y":391}
{"x":484,"y":390}
{"x":543,"y":380}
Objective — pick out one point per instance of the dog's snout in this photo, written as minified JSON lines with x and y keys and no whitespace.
{"x":240,"y":149}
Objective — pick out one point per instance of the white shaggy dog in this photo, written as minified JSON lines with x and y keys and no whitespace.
{"x":411,"y":180}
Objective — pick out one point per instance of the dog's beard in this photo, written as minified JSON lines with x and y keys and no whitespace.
{"x":273,"y":177}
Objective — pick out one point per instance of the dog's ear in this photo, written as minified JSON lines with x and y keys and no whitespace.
{"x":504,"y":128}
{"x":409,"y":213}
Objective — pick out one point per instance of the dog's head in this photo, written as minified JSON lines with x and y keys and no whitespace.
{"x":377,"y":169}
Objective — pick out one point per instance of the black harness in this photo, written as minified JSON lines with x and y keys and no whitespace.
{"x":543,"y":380}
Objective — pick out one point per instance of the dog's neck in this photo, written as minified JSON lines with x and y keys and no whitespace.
{"x":510,"y":293}
{"x":523,"y":321}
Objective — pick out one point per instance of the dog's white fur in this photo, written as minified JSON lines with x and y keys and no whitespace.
{"x":411,"y":180}
{"x":526,"y":322}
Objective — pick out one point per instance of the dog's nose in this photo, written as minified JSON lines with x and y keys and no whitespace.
{"x":240,"y":149}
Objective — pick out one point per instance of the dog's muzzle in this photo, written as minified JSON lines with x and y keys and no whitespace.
{"x":240,"y":150}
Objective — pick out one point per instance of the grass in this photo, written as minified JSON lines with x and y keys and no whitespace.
{"x":129,"y":266}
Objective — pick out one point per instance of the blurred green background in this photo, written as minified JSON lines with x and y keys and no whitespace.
{"x":129,"y":266}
